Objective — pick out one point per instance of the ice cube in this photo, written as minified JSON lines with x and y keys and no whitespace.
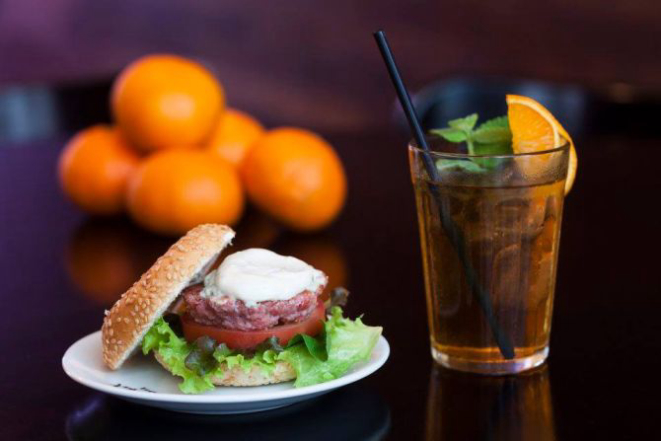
{"x":533,"y":221}
{"x":541,"y":276}
{"x":542,"y":262}
{"x":553,"y":207}
{"x":509,"y":277}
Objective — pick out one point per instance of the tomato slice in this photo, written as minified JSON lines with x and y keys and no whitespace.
{"x":236,"y":339}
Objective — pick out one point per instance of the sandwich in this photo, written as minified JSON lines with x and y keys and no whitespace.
{"x":258,"y":318}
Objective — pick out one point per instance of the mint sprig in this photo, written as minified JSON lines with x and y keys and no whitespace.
{"x":460,"y":130}
{"x":466,"y":165}
{"x":492,"y":137}
{"x":466,"y":123}
{"x":493,"y":131}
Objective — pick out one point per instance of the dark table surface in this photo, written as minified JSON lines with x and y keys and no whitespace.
{"x":61,"y":268}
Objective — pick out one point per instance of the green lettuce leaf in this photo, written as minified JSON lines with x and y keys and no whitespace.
{"x":263,"y":359}
{"x":200,"y":359}
{"x":342,"y":344}
{"x":173,"y":351}
{"x":347,"y":343}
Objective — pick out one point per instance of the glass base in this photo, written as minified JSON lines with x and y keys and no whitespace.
{"x":502,"y":367}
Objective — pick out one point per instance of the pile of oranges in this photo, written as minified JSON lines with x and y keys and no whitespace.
{"x":178,"y":157}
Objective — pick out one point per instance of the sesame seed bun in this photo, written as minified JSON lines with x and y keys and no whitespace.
{"x":186,"y":262}
{"x":237,"y":376}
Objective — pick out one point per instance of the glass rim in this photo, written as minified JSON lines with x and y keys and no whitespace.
{"x":564,"y":146}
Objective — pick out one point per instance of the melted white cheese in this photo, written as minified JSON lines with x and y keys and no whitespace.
{"x":258,"y":275}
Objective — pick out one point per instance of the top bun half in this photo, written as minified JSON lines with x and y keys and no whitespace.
{"x":186,"y":262}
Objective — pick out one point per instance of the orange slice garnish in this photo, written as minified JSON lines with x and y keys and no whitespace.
{"x":535,"y":129}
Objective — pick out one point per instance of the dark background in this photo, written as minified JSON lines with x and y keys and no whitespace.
{"x":314,"y":64}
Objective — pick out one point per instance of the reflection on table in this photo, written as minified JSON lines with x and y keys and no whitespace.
{"x":465,"y":406}
{"x":352,"y":413}
{"x":105,"y":256}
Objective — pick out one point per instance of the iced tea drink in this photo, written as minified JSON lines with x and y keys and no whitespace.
{"x":489,"y":235}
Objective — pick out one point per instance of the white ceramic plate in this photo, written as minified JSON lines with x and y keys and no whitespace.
{"x":142,"y":380}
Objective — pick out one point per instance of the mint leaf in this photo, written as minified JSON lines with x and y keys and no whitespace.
{"x":499,"y":122}
{"x":466,"y":124}
{"x":494,"y":148}
{"x":460,"y":130}
{"x":450,"y":134}
{"x":467,"y":165}
{"x":503,"y":148}
{"x":495,"y":135}
{"x":496,"y":130}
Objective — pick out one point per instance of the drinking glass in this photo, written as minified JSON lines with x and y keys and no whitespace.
{"x":489,"y":233}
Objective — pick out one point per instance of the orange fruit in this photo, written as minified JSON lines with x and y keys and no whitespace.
{"x":296,"y":177}
{"x":166,"y":101}
{"x":534,"y":129}
{"x":234,"y":135}
{"x":94,"y":168}
{"x":176,"y":190}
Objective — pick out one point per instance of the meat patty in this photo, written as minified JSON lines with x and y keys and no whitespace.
{"x":230,"y":313}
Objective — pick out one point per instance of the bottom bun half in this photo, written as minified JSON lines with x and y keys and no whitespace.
{"x":254,"y":377}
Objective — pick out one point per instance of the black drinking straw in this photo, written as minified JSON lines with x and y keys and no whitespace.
{"x":453,"y":232}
